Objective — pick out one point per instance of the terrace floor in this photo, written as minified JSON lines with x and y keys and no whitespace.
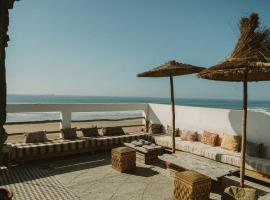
{"x":91,"y":177}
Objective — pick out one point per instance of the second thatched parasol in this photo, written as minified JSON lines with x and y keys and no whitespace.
{"x":249,"y":61}
{"x":171,"y":69}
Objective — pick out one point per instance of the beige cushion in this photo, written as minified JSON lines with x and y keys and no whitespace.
{"x":189,"y":135}
{"x":35,"y":137}
{"x":231,"y":142}
{"x":169,"y":131}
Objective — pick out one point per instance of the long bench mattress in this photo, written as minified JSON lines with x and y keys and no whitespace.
{"x":261,"y":165}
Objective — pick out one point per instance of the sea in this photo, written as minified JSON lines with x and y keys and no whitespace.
{"x":258,"y":105}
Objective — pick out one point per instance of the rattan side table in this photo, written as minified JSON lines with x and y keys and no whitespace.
{"x":191,"y":185}
{"x":123,"y":159}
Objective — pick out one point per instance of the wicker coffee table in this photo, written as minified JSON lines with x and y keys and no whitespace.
{"x":146,"y":152}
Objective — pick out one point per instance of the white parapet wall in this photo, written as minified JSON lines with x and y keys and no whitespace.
{"x":190,"y":118}
{"x":216,"y":120}
{"x":67,"y":109}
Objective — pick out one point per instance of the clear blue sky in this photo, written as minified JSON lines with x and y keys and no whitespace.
{"x":96,"y":47}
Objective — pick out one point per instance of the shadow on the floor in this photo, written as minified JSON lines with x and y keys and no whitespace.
{"x":160,"y":164}
{"x":144,"y":172}
{"x":76,"y":163}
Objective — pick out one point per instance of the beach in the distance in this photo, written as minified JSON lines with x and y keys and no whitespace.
{"x":19,"y":129}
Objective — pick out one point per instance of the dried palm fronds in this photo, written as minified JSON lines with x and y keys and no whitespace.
{"x":253,"y":43}
{"x":250,"y":58}
{"x":171,"y":68}
{"x":249,"y":61}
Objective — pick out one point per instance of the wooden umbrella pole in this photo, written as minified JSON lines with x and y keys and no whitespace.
{"x":244,"y":132}
{"x":173,"y":114}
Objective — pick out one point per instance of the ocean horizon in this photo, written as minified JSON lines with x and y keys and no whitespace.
{"x":258,"y":105}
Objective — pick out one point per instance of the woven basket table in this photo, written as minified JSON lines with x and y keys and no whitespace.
{"x":123,"y":159}
{"x":191,"y":185}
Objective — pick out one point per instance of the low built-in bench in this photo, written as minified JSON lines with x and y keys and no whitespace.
{"x":22,"y":152}
{"x":265,"y":197}
{"x":260,"y":165}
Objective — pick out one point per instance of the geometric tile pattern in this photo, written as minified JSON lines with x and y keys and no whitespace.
{"x":33,"y":183}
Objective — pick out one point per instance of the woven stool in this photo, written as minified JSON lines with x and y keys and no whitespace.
{"x":123,"y":159}
{"x":191,"y":185}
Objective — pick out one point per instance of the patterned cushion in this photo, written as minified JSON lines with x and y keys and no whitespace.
{"x":210,"y":138}
{"x":189,"y":135}
{"x":68,"y":134}
{"x":90,"y":132}
{"x":156,"y":128}
{"x":231,"y":142}
{"x":35,"y":137}
{"x":113,"y":131}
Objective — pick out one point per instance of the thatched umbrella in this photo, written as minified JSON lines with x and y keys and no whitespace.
{"x":249,"y":61}
{"x":171,"y":69}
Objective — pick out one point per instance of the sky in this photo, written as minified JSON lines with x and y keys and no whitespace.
{"x":96,"y":47}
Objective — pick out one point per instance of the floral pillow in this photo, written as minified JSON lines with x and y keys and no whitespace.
{"x":210,"y":138}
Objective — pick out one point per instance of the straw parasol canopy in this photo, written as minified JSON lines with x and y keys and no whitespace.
{"x":171,"y":69}
{"x":249,"y":61}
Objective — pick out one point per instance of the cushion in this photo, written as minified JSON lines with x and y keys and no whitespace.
{"x":35,"y":137}
{"x":189,"y":135}
{"x":68,"y":133}
{"x":231,"y":142}
{"x":210,"y":138}
{"x":254,"y":149}
{"x":170,"y":129}
{"x":113,"y":131}
{"x":156,"y":128}
{"x":90,"y":132}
